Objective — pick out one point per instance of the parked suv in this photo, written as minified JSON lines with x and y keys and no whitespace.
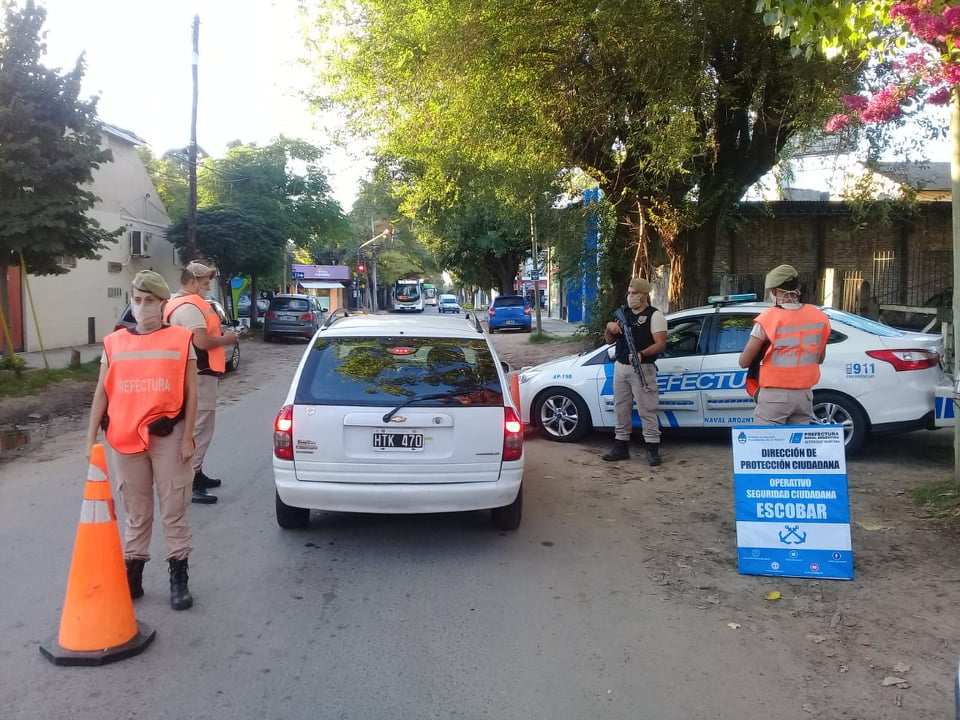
{"x":448,"y":304}
{"x":292,"y":315}
{"x":392,"y":415}
{"x":509,"y":312}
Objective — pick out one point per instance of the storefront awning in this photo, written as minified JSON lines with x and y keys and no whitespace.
{"x":320,"y":285}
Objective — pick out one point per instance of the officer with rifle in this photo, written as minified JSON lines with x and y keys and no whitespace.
{"x":640,"y":334}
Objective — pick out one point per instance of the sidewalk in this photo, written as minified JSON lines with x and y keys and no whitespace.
{"x":554,"y":326}
{"x":60,"y":357}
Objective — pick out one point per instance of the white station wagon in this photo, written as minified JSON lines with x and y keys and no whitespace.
{"x":875,"y":378}
{"x":390,"y":414}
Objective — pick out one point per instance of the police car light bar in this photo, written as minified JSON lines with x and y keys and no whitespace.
{"x":725,"y":299}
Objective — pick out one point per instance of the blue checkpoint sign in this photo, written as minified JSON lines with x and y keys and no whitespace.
{"x":791,"y":501}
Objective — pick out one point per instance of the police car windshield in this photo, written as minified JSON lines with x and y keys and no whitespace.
{"x":861,"y":323}
{"x":387,"y":372}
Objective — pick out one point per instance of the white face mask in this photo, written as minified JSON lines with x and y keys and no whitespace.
{"x":787,"y":300}
{"x":148,"y":317}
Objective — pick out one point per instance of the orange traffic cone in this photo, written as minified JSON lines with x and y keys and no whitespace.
{"x":98,"y":624}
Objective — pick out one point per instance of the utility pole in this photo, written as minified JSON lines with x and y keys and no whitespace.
{"x":955,"y":320}
{"x":535,"y":272}
{"x":374,"y":300}
{"x":192,"y":202}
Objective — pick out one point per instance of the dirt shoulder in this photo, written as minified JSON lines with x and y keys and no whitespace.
{"x":896,"y":619}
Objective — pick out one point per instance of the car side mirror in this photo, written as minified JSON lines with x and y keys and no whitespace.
{"x":506,"y":367}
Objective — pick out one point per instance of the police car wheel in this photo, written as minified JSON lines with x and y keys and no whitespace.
{"x":289,"y":517}
{"x":836,"y":409}
{"x":562,"y":415}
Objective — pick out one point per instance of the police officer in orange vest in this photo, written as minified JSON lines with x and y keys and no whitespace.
{"x":791,"y":340}
{"x":146,"y":401}
{"x":190,"y":309}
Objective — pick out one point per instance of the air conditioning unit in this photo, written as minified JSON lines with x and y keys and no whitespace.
{"x":139,"y":243}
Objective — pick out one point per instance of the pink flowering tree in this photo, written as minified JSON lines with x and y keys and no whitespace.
{"x":911,"y":48}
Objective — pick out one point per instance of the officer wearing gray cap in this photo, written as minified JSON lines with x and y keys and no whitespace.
{"x":790,"y":339}
{"x":146,"y":402}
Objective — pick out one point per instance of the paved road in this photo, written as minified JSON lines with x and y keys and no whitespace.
{"x":374,"y":617}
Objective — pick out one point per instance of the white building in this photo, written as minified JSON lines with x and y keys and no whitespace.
{"x":83,"y":305}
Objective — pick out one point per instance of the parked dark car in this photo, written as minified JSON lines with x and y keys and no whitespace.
{"x":233,"y":362}
{"x":509,"y":312}
{"x":243,"y":306}
{"x":292,"y":316}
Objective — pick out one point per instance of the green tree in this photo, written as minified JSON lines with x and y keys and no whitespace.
{"x":49,"y":148}
{"x":170,"y":174}
{"x":674,"y":109}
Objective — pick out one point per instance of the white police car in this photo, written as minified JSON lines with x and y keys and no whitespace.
{"x":875,"y":378}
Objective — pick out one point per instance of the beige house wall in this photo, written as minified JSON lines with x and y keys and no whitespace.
{"x":96,"y":289}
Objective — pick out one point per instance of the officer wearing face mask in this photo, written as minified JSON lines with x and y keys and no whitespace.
{"x":648,"y":327}
{"x":790,"y":339}
{"x":146,"y":402}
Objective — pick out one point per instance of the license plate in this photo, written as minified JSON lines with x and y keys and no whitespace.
{"x":288,"y":317}
{"x":511,"y":322}
{"x":398,"y":441}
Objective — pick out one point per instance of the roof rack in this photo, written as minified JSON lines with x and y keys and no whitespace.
{"x":731,"y":299}
{"x":340,"y":312}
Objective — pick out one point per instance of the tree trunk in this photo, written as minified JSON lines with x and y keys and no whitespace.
{"x":691,"y":265}
{"x":6,"y":331}
{"x":253,"y":301}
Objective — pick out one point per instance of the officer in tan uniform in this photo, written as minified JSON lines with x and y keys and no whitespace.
{"x":189,"y":309}
{"x":648,"y":327}
{"x":791,"y":340}
{"x":146,"y":401}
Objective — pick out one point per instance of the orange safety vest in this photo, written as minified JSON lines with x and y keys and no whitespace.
{"x":797,"y":339}
{"x":216,"y":358}
{"x":144,"y":383}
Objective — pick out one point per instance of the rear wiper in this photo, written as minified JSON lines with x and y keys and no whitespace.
{"x":432,"y":396}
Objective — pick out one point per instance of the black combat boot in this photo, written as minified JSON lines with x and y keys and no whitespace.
{"x":135,"y":576}
{"x":653,"y":454}
{"x":180,"y":597}
{"x":200,"y":494}
{"x":619,"y":451}
{"x":206,"y":482}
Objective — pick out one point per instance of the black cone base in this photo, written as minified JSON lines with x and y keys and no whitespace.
{"x":52,"y":651}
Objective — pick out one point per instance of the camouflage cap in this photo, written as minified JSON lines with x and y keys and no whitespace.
{"x":640,"y":285}
{"x":151,"y":282}
{"x":780,"y":275}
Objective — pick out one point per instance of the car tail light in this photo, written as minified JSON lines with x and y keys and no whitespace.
{"x":907,"y":359}
{"x":306,"y":316}
{"x":283,"y":433}
{"x":526,"y":310}
{"x":271,"y":315}
{"x":512,"y":435}
{"x":491,"y":312}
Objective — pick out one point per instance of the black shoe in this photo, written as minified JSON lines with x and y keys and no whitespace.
{"x":135,"y":577}
{"x":653,"y":454}
{"x":619,"y":451}
{"x":201,"y":496}
{"x":180,"y":597}
{"x":206,"y":482}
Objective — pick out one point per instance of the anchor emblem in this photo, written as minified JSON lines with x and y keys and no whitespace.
{"x":792,"y":532}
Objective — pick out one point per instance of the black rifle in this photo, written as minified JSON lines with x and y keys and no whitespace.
{"x":621,"y":317}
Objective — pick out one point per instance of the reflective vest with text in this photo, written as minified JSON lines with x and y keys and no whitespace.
{"x":144,"y":383}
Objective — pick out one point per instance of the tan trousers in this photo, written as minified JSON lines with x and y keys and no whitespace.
{"x":627,"y":389}
{"x":781,"y":406}
{"x":206,"y":417}
{"x":159,"y":470}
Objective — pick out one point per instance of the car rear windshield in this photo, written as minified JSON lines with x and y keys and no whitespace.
{"x":861,"y":323}
{"x":509,"y":301}
{"x":385,"y":372}
{"x":292,"y":304}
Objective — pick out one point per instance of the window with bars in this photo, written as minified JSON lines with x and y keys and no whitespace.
{"x":114,"y":292}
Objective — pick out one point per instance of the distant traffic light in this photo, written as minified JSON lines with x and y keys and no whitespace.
{"x":361,"y":268}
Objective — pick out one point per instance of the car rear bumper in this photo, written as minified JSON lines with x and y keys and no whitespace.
{"x":397,"y":498}
{"x":519,"y":325}
{"x":276,"y":329}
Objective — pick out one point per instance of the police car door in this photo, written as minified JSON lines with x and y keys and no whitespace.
{"x":723,"y":381}
{"x":677,"y":372}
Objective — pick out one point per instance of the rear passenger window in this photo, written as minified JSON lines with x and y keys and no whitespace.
{"x":291,"y":304}
{"x":388,"y":371}
{"x":732,"y":333}
{"x":683,"y":337}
